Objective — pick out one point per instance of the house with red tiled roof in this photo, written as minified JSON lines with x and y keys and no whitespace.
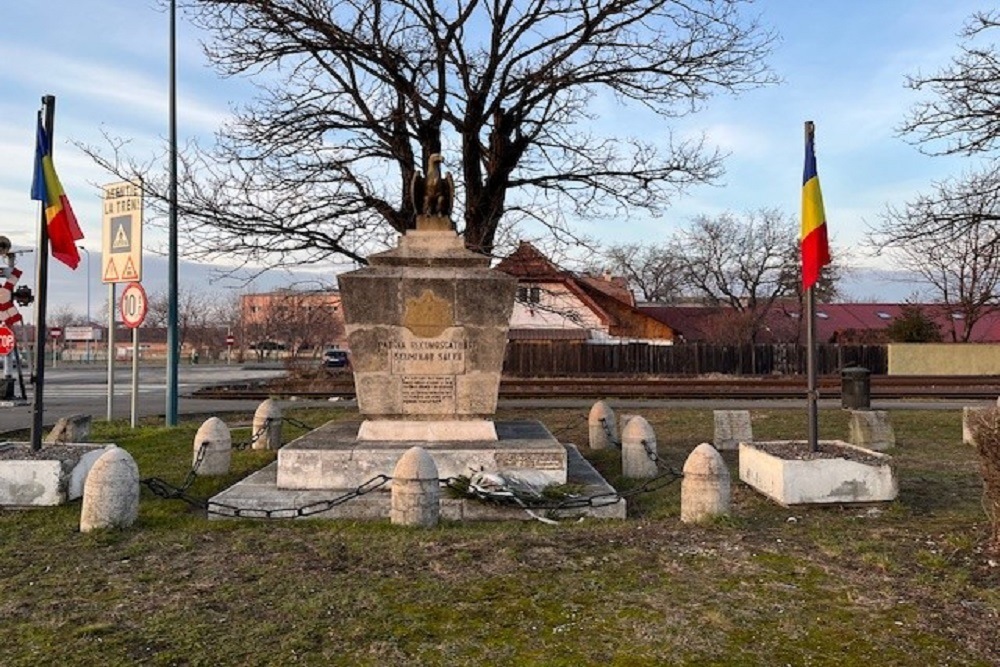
{"x":556,"y":304}
{"x":835,"y":322}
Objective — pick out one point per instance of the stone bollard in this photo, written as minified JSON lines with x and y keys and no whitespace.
{"x":111,"y":492}
{"x":638,"y":441}
{"x":214,"y":435}
{"x":267,"y":426}
{"x":968,"y":416}
{"x":603,"y":427}
{"x":705,"y":489}
{"x":731,"y":428}
{"x":416,"y":492}
{"x":872,"y":429}
{"x":75,"y":428}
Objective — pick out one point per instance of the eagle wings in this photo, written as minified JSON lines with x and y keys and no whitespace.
{"x":434,"y":193}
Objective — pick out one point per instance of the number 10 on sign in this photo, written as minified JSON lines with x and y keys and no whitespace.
{"x":133,"y":305}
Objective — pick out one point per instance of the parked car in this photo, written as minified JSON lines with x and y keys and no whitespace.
{"x":334,"y":358}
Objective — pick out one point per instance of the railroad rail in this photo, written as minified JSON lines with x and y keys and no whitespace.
{"x":735,"y":387}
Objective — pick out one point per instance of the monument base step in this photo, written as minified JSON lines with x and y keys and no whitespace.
{"x":259,"y":497}
{"x":332,"y":457}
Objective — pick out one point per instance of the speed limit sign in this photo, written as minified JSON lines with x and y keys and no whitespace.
{"x":134,"y":305}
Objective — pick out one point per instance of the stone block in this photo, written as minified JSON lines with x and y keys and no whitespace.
{"x":111,"y":492}
{"x":74,"y":428}
{"x":639,"y":450}
{"x":602,"y":426}
{"x":258,"y":495}
{"x":705,"y":489}
{"x":731,"y":428}
{"x":214,"y":436}
{"x":51,"y":476}
{"x":267,"y":425}
{"x":371,"y":297}
{"x":872,"y":429}
{"x":416,"y":491}
{"x":331,"y":457}
{"x":864,"y":477}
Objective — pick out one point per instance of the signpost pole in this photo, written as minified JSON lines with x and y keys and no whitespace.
{"x":134,"y":307}
{"x":135,"y":377}
{"x":111,"y":351}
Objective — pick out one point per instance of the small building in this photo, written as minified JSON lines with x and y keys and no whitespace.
{"x":554,"y":304}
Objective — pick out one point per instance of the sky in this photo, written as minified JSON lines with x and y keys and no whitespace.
{"x":842,"y":63}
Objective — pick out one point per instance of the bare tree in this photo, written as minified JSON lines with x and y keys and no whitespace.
{"x":960,"y":118}
{"x":356,"y":95}
{"x":654,"y":269}
{"x":951,"y":239}
{"x":748,"y":263}
{"x":963,"y":110}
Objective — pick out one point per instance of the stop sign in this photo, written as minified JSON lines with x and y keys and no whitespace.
{"x":6,"y":340}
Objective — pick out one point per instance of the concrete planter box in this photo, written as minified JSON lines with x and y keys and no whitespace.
{"x":841,"y":473}
{"x":51,"y":477}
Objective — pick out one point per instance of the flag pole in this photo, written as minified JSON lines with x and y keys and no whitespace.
{"x":47,"y":115}
{"x":811,"y":391}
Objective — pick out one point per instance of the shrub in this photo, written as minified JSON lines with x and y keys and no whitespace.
{"x":986,"y":435}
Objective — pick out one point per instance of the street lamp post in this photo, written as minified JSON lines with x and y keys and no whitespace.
{"x":90,"y":324}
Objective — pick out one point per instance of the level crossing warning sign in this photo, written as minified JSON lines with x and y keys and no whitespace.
{"x":121,"y":254}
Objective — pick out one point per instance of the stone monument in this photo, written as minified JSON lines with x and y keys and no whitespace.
{"x":427,"y":329}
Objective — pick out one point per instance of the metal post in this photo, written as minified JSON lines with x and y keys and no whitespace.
{"x":111,"y":351}
{"x":48,"y":114}
{"x":173,"y":348}
{"x":135,"y":377}
{"x":811,"y":391}
{"x":90,"y":325}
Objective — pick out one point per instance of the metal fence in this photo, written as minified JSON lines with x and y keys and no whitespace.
{"x":567,"y":358}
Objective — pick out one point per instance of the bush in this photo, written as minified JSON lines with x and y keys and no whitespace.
{"x":986,"y":435}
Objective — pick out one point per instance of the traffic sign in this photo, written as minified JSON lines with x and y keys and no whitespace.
{"x":134,"y":305}
{"x":6,"y":340}
{"x":121,"y":248}
{"x":230,"y":340}
{"x":55,"y":332}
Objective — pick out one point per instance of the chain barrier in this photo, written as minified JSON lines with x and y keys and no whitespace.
{"x":502,"y":494}
{"x":168,"y":491}
{"x":611,"y":436}
{"x":254,"y":437}
{"x":296,"y":422}
{"x":231,"y":511}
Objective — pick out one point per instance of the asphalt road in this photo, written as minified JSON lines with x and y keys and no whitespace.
{"x":83,"y":390}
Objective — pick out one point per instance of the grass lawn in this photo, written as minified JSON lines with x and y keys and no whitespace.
{"x":901,"y":584}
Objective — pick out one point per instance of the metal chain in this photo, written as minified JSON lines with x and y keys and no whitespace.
{"x":254,"y":437}
{"x":222,"y":509}
{"x":296,"y":422}
{"x":166,"y":490}
{"x":607,"y":431}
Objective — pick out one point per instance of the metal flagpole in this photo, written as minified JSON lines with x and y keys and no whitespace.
{"x":811,"y":391}
{"x":173,"y":347}
{"x":47,"y":113}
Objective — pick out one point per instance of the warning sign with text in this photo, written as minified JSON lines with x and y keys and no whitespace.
{"x":121,"y":254}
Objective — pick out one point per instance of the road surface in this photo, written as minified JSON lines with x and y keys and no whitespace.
{"x":83,"y":390}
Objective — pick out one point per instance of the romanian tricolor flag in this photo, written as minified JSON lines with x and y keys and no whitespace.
{"x":63,"y":230}
{"x":815,"y":246}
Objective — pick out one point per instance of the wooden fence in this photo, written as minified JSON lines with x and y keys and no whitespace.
{"x":568,"y":358}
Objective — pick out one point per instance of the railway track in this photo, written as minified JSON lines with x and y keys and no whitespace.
{"x":882,"y":387}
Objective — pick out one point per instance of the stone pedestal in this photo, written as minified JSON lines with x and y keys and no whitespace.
{"x":427,"y":328}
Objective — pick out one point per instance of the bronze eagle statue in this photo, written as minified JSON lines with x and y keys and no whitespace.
{"x":433,"y":194}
